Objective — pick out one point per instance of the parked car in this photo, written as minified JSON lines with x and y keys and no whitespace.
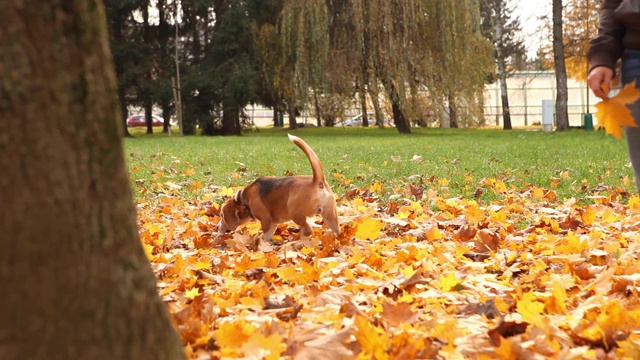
{"x":138,"y":120}
{"x":357,"y":121}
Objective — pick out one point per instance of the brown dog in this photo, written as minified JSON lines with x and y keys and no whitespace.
{"x":274,"y":200}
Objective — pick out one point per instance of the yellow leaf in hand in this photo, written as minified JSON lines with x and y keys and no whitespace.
{"x":613,"y":112}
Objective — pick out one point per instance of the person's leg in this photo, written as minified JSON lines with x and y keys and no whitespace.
{"x":631,"y":72}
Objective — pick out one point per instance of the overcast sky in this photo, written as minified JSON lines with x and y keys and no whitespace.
{"x":530,"y":13}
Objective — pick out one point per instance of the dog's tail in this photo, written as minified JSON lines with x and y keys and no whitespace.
{"x":316,"y":165}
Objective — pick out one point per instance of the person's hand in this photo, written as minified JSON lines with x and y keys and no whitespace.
{"x":599,"y":79}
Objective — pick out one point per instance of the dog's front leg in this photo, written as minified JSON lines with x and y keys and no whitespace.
{"x":305,"y":229}
{"x":268,"y":229}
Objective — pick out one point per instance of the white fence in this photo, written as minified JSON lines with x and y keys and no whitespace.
{"x":526,"y":92}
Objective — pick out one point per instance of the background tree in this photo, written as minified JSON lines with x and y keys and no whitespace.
{"x":234,"y":70}
{"x":126,"y":49}
{"x":77,"y":284}
{"x":581,"y":19}
{"x":304,"y":32}
{"x":164,"y":47}
{"x":383,"y":42}
{"x":311,"y":54}
{"x":562,"y":93}
{"x":499,"y":26}
{"x":267,"y":51}
{"x":461,"y":57}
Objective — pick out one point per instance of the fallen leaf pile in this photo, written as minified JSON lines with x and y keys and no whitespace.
{"x":416,"y":276}
{"x":613,"y":112}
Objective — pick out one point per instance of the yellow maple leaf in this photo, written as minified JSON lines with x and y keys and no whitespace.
{"x":433,"y":233}
{"x":557,"y":301}
{"x":449,"y":282}
{"x":376,"y":187}
{"x":369,"y":229}
{"x":191,"y":294}
{"x":148,"y":250}
{"x":506,"y":349}
{"x":531,"y":309}
{"x":259,"y":346}
{"x":634,"y":203}
{"x":537,"y":193}
{"x":233,"y":334}
{"x":588,"y":216}
{"x":613,"y":112}
{"x":373,"y":340}
{"x":474,"y":213}
{"x":226,"y":191}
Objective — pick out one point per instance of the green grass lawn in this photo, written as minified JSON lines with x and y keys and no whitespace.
{"x":453,"y":162}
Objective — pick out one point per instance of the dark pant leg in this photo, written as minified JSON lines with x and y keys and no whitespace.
{"x":631,"y":72}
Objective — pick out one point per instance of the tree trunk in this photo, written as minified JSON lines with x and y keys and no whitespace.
{"x":376,"y":107}
{"x":230,"y":123}
{"x":166,"y":116}
{"x":402,"y":123}
{"x":362,"y":93}
{"x":276,"y":122}
{"x":75,"y":281}
{"x":124,"y":112}
{"x":148,"y":116}
{"x":502,"y":67}
{"x":316,"y":104}
{"x":453,"y":113}
{"x":562,"y":94}
{"x":292,"y":116}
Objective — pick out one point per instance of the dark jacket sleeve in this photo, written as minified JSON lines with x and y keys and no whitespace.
{"x":606,"y":46}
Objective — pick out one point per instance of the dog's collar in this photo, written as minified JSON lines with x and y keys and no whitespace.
{"x":240,"y":198}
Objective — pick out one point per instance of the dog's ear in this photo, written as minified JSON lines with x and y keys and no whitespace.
{"x":237,"y":196}
{"x":230,"y":219}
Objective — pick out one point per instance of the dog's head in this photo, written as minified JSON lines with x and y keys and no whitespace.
{"x":233,"y":214}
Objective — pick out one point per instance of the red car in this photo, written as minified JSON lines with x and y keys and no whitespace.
{"x":138,"y":120}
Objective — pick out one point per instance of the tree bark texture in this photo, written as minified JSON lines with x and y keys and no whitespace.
{"x":75,"y":281}
{"x":124,"y":112}
{"x":562,"y":94}
{"x":293,"y":124}
{"x":380,"y":118}
{"x":399,"y":118}
{"x":453,"y":113}
{"x":502,"y":68}
{"x":231,"y":122}
{"x":148,"y":116}
{"x":362,"y":93}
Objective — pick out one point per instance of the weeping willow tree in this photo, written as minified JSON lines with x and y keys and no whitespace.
{"x":304,"y":34}
{"x":461,"y":59}
{"x":407,"y":47}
